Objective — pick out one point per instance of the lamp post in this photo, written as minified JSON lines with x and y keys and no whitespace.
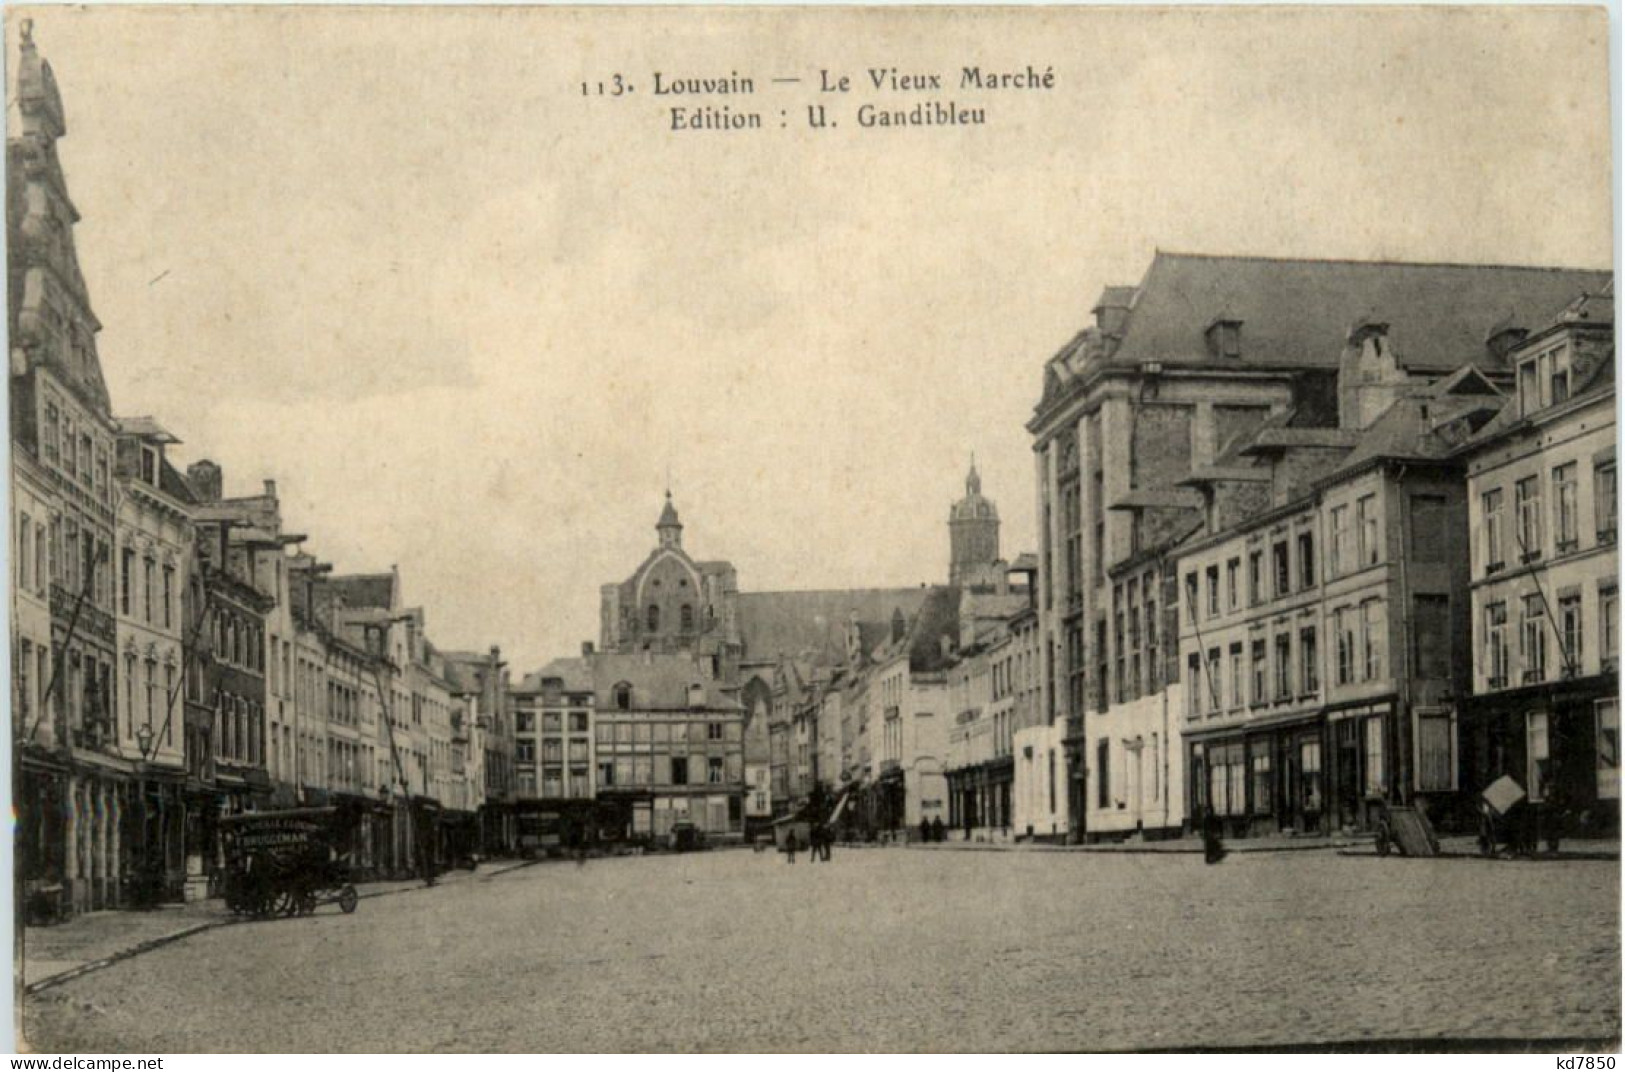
{"x":147,"y":879}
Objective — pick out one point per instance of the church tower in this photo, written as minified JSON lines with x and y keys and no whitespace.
{"x":669,"y":528}
{"x":973,"y":534}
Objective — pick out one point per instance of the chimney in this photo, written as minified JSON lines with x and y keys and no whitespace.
{"x":1504,"y":339}
{"x":898,"y":625}
{"x":205,"y":479}
{"x":586,"y":649}
{"x":270,"y":489}
{"x":1369,"y":376}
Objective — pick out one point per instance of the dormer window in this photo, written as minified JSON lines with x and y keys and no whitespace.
{"x":1557,"y":375}
{"x":1224,"y":338}
{"x":1544,"y":379}
{"x":623,"y":697}
{"x":149,"y":466}
{"x":696,"y":696}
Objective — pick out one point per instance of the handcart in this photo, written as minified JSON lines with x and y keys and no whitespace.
{"x":1509,"y":822}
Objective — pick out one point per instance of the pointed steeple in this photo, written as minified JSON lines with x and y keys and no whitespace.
{"x":669,"y":527}
{"x":973,"y":481}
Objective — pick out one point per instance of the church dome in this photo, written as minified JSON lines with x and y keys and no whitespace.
{"x":974,"y":506}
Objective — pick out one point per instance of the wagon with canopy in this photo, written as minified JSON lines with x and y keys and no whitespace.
{"x":285,"y":863}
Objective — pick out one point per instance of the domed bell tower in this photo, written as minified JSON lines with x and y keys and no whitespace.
{"x":973,"y":534}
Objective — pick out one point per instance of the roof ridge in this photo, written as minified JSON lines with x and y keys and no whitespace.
{"x":1379,"y":262}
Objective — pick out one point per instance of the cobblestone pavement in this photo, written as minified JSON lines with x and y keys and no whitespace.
{"x":88,"y":940}
{"x":890,"y":949}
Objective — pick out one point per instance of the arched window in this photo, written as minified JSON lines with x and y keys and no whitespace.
{"x":686,"y":614}
{"x":654,"y":618}
{"x":623,"y":696}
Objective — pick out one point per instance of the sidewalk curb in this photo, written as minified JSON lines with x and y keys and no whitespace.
{"x":1237,"y":847}
{"x":149,"y":944}
{"x":108,"y":961}
{"x":1549,"y":858}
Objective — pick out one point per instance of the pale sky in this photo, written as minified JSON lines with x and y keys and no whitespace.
{"x":467,"y":318}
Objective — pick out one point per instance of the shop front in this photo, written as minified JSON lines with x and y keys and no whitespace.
{"x":41,"y":836}
{"x":888,"y":800}
{"x":155,"y":838}
{"x":1560,"y":743}
{"x":979,"y":797}
{"x":1363,"y":774}
{"x":1260,"y":780}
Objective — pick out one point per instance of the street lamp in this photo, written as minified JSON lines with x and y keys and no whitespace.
{"x":148,"y":887}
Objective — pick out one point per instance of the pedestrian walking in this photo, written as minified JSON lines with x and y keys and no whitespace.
{"x":1213,"y":849}
{"x":938,"y":831}
{"x":790,"y":847}
{"x":925,"y":830}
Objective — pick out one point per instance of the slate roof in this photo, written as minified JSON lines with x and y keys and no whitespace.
{"x":172,"y":483}
{"x":1588,"y":309}
{"x":1415,"y":427}
{"x":462,"y":676}
{"x":1297,"y":313}
{"x":145,"y":428}
{"x":938,"y":617}
{"x":359,"y":590}
{"x":774,"y":624}
{"x":574,"y":673}
{"x":659,"y":681}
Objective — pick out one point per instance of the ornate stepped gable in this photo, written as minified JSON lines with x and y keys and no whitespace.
{"x":52,"y":322}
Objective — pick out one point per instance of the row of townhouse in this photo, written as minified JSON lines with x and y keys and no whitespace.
{"x":175,"y":658}
{"x":911,"y":718}
{"x":1312,"y":544}
{"x":626,"y":746}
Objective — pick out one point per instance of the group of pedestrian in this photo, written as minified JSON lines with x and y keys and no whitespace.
{"x":819,"y":841}
{"x":933,"y":830}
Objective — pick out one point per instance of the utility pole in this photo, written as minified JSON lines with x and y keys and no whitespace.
{"x":18,"y":901}
{"x":389,"y":725}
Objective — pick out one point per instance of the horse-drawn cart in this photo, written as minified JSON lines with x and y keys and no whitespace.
{"x":285,"y":863}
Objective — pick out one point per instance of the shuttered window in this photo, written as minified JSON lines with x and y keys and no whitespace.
{"x":1436,"y":750}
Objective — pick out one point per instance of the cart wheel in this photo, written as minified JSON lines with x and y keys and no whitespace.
{"x":348,"y":899}
{"x":283,"y":903}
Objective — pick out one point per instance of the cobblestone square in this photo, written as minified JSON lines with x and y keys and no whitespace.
{"x":891,"y":949}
